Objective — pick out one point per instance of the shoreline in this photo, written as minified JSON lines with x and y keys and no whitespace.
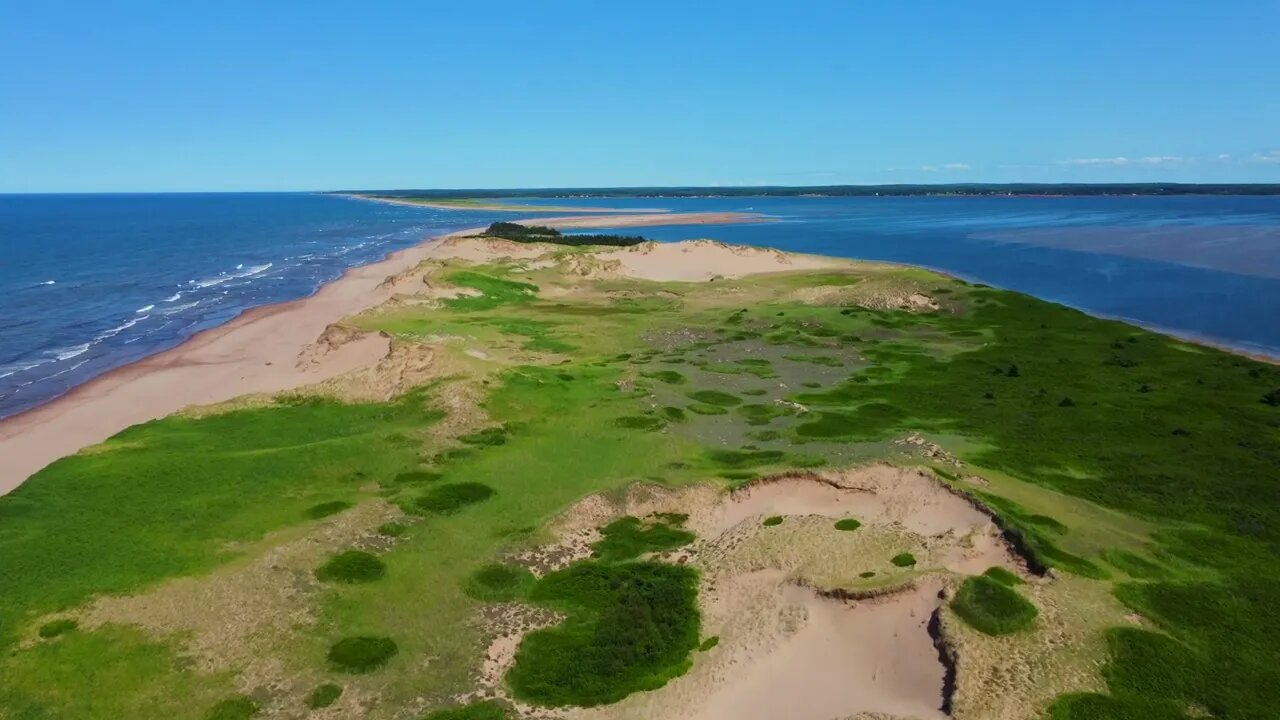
{"x":262,"y":350}
{"x":478,"y":205}
{"x":280,"y":346}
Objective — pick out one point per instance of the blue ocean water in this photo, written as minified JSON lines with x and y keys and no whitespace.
{"x":1203,"y":267}
{"x":91,"y":282}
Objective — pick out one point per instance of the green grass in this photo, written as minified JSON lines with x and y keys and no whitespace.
{"x":992,"y":607}
{"x":630,"y":627}
{"x":499,"y":583}
{"x":324,"y":695}
{"x":352,"y":566}
{"x":495,"y":291}
{"x":237,"y":708}
{"x":361,"y":654}
{"x":453,"y":497}
{"x":848,"y":524}
{"x":182,"y":490}
{"x":483,"y":710}
{"x":903,"y":560}
{"x":670,"y":377}
{"x":55,"y":628}
{"x":628,"y":538}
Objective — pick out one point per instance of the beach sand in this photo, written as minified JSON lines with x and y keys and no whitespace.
{"x":267,"y":349}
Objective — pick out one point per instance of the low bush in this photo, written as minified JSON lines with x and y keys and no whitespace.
{"x":54,"y":628}
{"x":903,"y":560}
{"x":709,"y":643}
{"x":324,"y":696}
{"x":362,"y":654}
{"x":315,"y":512}
{"x":629,"y":627}
{"x":352,"y":566}
{"x":848,"y":524}
{"x":236,"y":708}
{"x":991,"y":607}
{"x":628,"y":538}
{"x":716,"y":397}
{"x":453,"y":497}
{"x":392,"y":529}
{"x":1003,"y":576}
{"x":639,"y":422}
{"x":499,"y":583}
{"x":772,"y":521}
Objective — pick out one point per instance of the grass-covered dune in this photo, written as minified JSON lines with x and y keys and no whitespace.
{"x":1143,"y":467}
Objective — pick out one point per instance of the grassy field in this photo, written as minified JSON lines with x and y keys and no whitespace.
{"x":1122,"y":457}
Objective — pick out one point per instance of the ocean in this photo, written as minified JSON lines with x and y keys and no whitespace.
{"x":91,"y":282}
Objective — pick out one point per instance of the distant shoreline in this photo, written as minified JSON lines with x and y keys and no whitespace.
{"x":478,"y":205}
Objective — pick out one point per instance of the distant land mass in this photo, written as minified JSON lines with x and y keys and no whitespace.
{"x":1028,"y":189}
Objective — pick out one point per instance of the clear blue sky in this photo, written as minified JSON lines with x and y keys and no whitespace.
{"x":128,"y":96}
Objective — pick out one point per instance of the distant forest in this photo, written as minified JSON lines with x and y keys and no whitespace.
{"x":1023,"y":189}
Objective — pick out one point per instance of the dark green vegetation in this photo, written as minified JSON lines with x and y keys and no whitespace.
{"x":452,"y":497}
{"x":538,"y":233}
{"x":333,"y":507}
{"x":324,"y":695}
{"x":628,"y":538}
{"x":772,"y":521}
{"x":55,"y":628}
{"x":848,"y":524}
{"x":1003,"y":576}
{"x":499,"y":583}
{"x":352,"y":566}
{"x":903,"y":560}
{"x":709,"y":643}
{"x":992,"y":607}
{"x":631,"y":626}
{"x":485,"y":710}
{"x":237,"y":708}
{"x":362,"y":654}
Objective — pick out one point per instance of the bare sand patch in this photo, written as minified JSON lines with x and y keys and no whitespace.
{"x":802,"y":634}
{"x":702,"y":260}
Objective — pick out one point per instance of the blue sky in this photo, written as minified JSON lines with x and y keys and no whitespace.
{"x":176,"y":96}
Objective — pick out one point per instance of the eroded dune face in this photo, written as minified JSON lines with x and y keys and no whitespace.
{"x":813,"y":622}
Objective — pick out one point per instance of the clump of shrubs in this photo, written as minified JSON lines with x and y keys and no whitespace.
{"x":772,"y":521}
{"x":903,"y":560}
{"x":236,"y":708}
{"x":499,"y":583}
{"x":324,"y":696}
{"x":352,"y":566}
{"x":848,"y":524}
{"x":450,"y":498}
{"x":362,"y":654}
{"x":315,"y":512}
{"x":992,"y":607}
{"x":54,"y":628}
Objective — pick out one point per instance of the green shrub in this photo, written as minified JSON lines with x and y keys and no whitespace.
{"x":54,"y":628}
{"x":484,"y":710}
{"x":671,"y":377}
{"x":499,"y":583}
{"x":488,"y":437}
{"x":705,"y":409}
{"x":903,"y":560}
{"x":352,"y":566}
{"x":416,"y":477}
{"x":848,"y":524}
{"x":867,"y":574}
{"x":709,"y":643}
{"x":450,"y":498}
{"x":629,"y":627}
{"x":392,"y":529}
{"x":716,"y":397}
{"x":326,"y":509}
{"x":628,"y":538}
{"x":1003,"y":576}
{"x":362,"y":654}
{"x":772,"y":520}
{"x":324,"y":696}
{"x":991,"y":607}
{"x":1133,"y":564}
{"x":639,"y":422}
{"x":236,"y":708}
{"x":674,"y":414}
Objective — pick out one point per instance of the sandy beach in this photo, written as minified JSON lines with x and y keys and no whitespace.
{"x":266,"y":349}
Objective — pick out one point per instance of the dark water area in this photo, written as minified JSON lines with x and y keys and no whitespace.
{"x":91,"y":282}
{"x":1196,"y":266}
